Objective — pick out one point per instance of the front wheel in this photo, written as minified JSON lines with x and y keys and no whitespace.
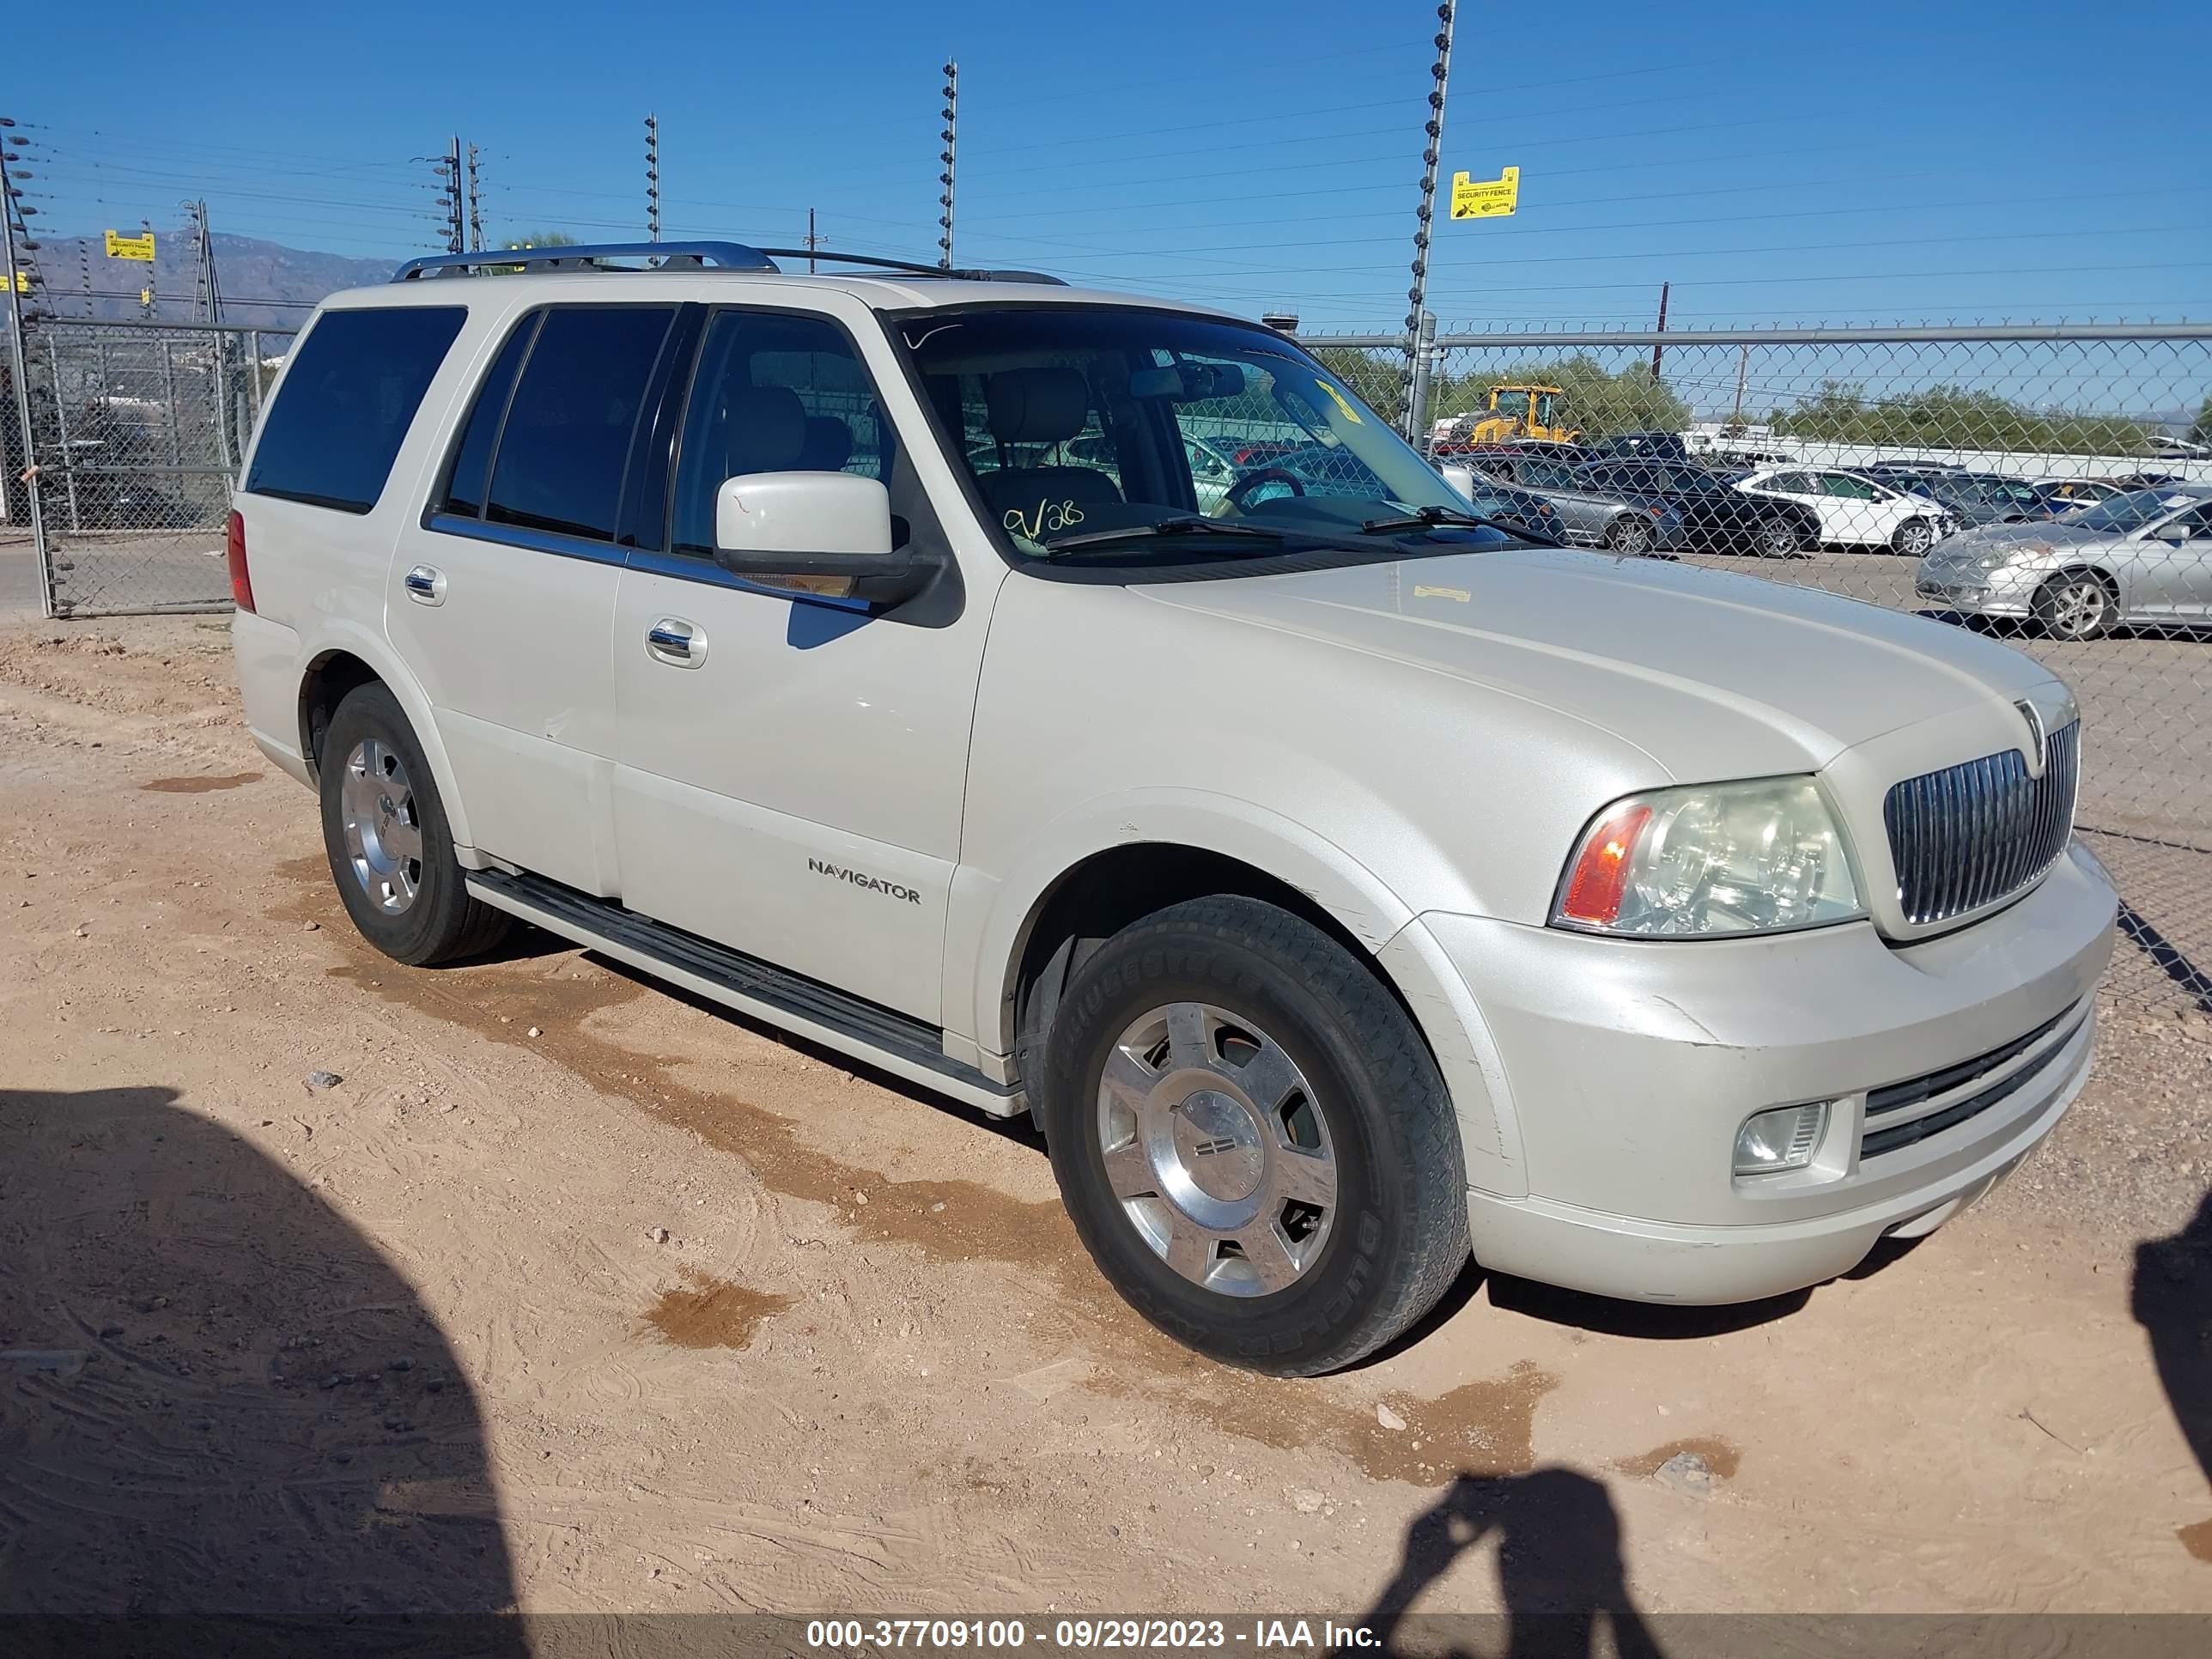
{"x":2077,"y":605}
{"x":1630,"y":533}
{"x":1913,"y":537}
{"x":1252,"y":1139}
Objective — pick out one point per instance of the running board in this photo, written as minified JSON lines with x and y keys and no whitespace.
{"x":807,"y":1007}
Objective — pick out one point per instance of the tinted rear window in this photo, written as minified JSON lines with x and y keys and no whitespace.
{"x":566,"y":439}
{"x":347,"y":402}
{"x":465,"y":488}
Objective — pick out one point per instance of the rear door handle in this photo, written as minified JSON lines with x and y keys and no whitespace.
{"x":426,"y":585}
{"x":676,"y":642}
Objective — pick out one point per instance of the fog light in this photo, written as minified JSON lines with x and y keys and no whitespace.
{"x":1782,"y":1139}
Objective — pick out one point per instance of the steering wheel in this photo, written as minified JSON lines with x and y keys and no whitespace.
{"x":1235,"y":493}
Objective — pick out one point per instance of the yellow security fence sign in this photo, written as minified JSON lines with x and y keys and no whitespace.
{"x":1485,"y":198}
{"x":22,"y":281}
{"x":140,"y":248}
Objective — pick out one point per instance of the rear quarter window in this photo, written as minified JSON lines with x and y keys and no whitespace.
{"x":346,"y":404}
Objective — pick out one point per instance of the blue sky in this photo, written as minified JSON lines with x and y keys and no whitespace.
{"x":1806,"y":162}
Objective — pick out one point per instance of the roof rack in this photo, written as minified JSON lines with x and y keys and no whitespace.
{"x":913,"y":268}
{"x":691,"y":256}
{"x":591,"y":255}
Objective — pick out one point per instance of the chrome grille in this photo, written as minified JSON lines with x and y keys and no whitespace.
{"x":1973,"y":834}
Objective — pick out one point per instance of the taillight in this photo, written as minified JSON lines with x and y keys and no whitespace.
{"x":241,"y":581}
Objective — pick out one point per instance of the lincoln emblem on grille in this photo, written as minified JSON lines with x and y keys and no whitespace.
{"x":2039,"y":740}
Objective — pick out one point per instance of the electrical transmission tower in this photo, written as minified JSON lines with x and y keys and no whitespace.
{"x":651,"y":179}
{"x":207,"y":293}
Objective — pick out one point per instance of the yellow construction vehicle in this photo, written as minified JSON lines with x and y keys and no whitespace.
{"x":1523,"y":411}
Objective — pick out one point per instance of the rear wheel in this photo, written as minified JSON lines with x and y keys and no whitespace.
{"x":1778,"y":538}
{"x":1629,"y":532}
{"x":2077,"y":604}
{"x":1252,"y":1140}
{"x":390,"y":847}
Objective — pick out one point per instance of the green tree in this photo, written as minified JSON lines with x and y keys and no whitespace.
{"x":1956,"y":417}
{"x":2200,"y":432}
{"x":543,"y":239}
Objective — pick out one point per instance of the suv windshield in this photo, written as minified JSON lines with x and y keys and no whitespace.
{"x":1079,"y":420}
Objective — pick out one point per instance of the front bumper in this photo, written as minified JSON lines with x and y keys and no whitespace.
{"x":2007,"y":591}
{"x":1628,"y":1065}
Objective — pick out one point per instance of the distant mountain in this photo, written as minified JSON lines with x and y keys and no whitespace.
{"x":263,"y":283}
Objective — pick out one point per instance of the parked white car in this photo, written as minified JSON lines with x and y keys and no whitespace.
{"x":1854,"y":510}
{"x":1342,"y":886}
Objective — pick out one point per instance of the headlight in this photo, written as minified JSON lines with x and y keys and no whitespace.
{"x":1762,"y":857}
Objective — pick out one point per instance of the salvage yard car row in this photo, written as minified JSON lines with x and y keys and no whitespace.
{"x":2074,"y":558}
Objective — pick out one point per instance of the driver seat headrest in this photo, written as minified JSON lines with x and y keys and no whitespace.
{"x":1044,"y":405}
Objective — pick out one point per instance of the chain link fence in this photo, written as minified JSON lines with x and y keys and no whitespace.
{"x":2047,"y":485}
{"x":2034,"y":483}
{"x":137,"y":431}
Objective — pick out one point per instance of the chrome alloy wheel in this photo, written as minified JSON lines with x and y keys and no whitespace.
{"x":2078,"y":609}
{"x":1217,"y":1149}
{"x":383,"y":832}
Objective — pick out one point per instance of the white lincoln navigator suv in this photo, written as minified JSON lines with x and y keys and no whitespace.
{"x":1343,"y":882}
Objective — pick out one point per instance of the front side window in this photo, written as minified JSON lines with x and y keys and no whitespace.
{"x":772,"y":393}
{"x":1544,"y":403}
{"x":1513,"y":405}
{"x":1077,"y":419}
{"x":566,"y":441}
{"x":1846,"y":488}
{"x":347,"y":399}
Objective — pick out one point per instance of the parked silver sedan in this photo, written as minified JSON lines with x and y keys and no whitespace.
{"x":2142,"y":557}
{"x":1627,"y":524}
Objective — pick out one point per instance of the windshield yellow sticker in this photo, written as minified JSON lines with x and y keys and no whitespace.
{"x":1343,"y":403}
{"x":1422,"y":590}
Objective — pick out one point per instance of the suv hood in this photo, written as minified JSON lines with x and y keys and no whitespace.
{"x":1711,"y":675}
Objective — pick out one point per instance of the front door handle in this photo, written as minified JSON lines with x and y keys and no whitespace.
{"x":426,"y":585}
{"x":678,"y":643}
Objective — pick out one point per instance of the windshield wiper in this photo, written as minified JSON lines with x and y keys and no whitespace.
{"x":1182,"y":527}
{"x":1447,"y":518}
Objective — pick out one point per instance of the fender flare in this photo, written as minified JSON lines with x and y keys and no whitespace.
{"x":335,"y":635}
{"x":995,"y":925}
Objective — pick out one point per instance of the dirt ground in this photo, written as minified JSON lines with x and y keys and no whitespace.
{"x":570,"y":1295}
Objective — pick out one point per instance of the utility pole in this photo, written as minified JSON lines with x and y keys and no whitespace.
{"x":476,"y":204}
{"x":1655,"y":347}
{"x":449,"y":199}
{"x":951,"y":136}
{"x":813,"y":241}
{"x":148,"y":302}
{"x":652,"y":178}
{"x":1743,"y":372}
{"x":1424,"y":218}
{"x":1423,"y":391}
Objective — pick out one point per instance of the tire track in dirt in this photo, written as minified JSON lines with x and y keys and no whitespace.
{"x":1484,"y":1426}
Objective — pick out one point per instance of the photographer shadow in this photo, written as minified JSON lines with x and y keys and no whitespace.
{"x":229,"y":1424}
{"x":2173,"y":1300}
{"x":1559,"y":1568}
